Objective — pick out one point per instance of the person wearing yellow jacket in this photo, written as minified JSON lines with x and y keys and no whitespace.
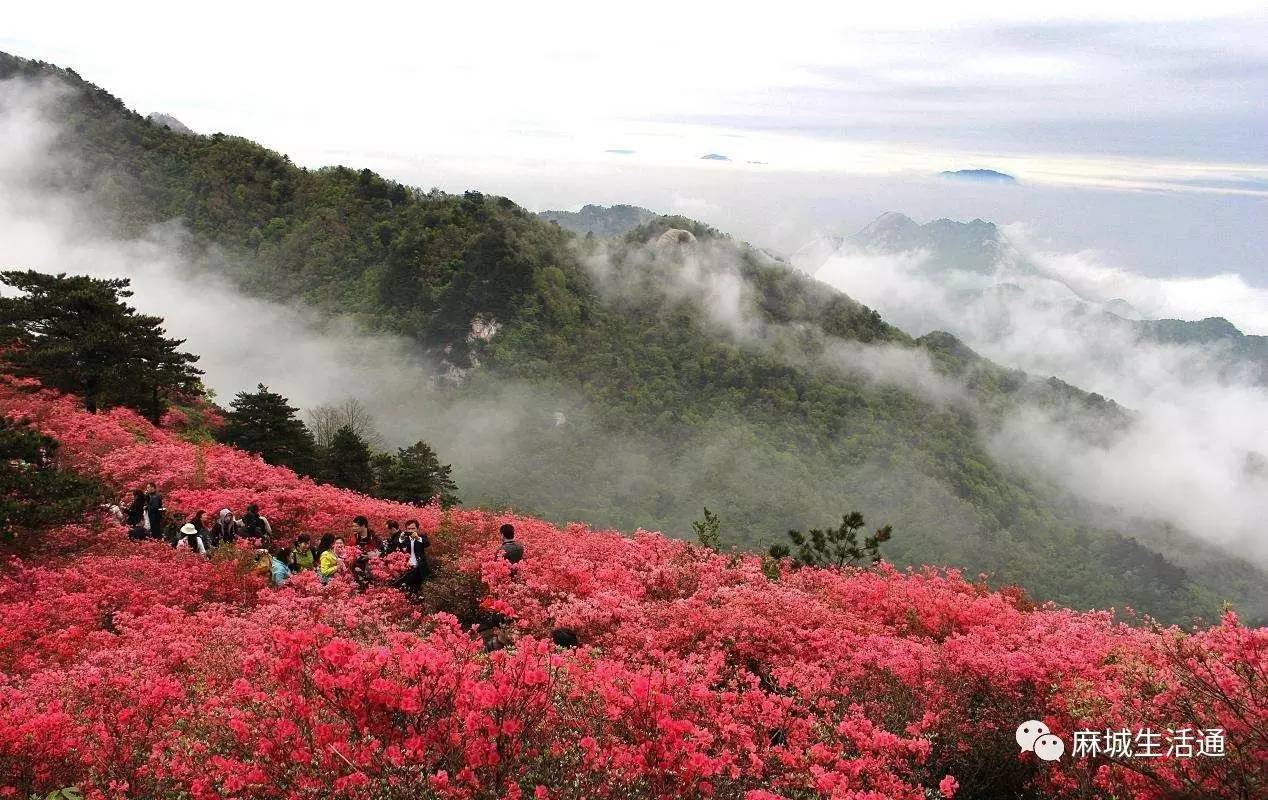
{"x":331,"y":557}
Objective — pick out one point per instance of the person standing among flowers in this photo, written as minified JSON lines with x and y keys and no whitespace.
{"x":154,"y":510}
{"x":395,"y":541}
{"x":136,"y":519}
{"x":415,"y":544}
{"x":512,"y":550}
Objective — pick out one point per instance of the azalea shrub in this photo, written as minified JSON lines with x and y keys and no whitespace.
{"x":130,"y":669}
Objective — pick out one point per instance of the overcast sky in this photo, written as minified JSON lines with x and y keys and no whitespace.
{"x":1137,"y":133}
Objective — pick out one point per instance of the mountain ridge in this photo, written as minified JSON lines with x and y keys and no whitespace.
{"x":670,"y":392}
{"x":978,"y":247}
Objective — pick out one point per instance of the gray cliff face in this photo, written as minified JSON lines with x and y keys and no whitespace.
{"x":170,"y":122}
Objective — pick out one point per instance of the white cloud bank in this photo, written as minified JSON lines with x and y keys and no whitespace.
{"x":1197,"y":455}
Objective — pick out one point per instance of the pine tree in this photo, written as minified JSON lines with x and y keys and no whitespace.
{"x":709,"y":530}
{"x":265,"y":422}
{"x":347,"y":461}
{"x":415,"y":475}
{"x":76,"y":334}
{"x":34,"y":492}
{"x":835,"y":547}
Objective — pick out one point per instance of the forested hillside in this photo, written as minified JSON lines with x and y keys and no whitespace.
{"x":682,"y":368}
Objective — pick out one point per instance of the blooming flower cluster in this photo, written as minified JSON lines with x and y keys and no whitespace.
{"x":130,"y":669}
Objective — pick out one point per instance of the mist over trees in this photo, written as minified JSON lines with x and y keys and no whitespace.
{"x":340,"y":451}
{"x":325,"y":421}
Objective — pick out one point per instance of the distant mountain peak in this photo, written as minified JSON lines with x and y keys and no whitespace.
{"x":978,"y":176}
{"x":974,"y":245}
{"x":889,"y":230}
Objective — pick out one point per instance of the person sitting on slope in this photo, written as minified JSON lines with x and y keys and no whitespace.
{"x":191,"y":540}
{"x":302,"y":556}
{"x":279,"y":566}
{"x":331,"y":557}
{"x":225,"y":529}
{"x":263,"y":564}
{"x":256,"y":526}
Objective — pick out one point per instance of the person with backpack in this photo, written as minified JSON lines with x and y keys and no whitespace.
{"x":263,"y":563}
{"x":512,"y":550}
{"x":256,"y":526}
{"x":154,"y":510}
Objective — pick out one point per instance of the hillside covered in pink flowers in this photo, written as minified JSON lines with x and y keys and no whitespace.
{"x":134,"y":670}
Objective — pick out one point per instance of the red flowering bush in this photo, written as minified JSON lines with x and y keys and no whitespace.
{"x":130,"y":669}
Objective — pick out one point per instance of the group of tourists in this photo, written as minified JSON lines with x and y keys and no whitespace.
{"x":328,"y":557}
{"x":145,"y":514}
{"x":279,"y":561}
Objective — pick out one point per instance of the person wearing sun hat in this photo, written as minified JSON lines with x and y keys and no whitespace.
{"x":191,"y":539}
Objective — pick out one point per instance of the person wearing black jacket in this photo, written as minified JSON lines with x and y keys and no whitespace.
{"x":136,"y":515}
{"x":511,"y":549}
{"x":395,"y":541}
{"x":154,"y":510}
{"x":255,"y":525}
{"x":415,"y":543}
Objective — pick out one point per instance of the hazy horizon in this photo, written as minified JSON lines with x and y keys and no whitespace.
{"x":1134,"y":134}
